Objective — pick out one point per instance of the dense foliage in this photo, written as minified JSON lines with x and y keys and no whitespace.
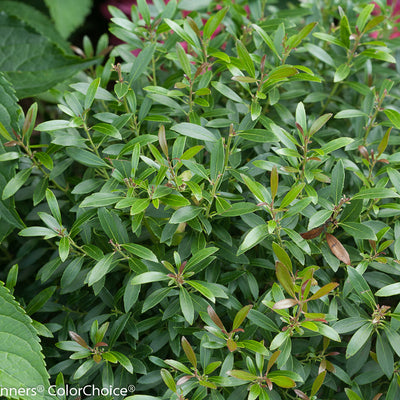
{"x":215,"y":216}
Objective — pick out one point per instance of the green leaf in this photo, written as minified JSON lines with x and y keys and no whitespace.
{"x":214,"y":22}
{"x":202,"y":289}
{"x":319,"y":123}
{"x":394,"y":117}
{"x":141,"y":62}
{"x":108,"y":130}
{"x":243,"y":375}
{"x":112,"y":225}
{"x":38,"y":231}
{"x":168,"y":379}
{"x":63,"y":248}
{"x":253,"y":237}
{"x":240,"y":208}
{"x":258,"y":135}
{"x":358,"y":231}
{"x":186,"y":304}
{"x":22,"y":363}
{"x":85,"y":157}
{"x":16,"y":183}
{"x":226,"y":91}
{"x":350,"y":114}
{"x":199,"y":256}
{"x":101,"y":268}
{"x":363,"y":16}
{"x":45,"y":63}
{"x":245,"y":59}
{"x":394,"y":338}
{"x":384,"y":354}
{"x":241,"y":316}
{"x":123,"y":360}
{"x":91,"y":93}
{"x":285,"y":278}
{"x":151,"y":276}
{"x":180,"y":32}
{"x":194,"y":131}
{"x":361,"y":287}
{"x":337,"y":182}
{"x":10,"y":109}
{"x":342,"y":72}
{"x":295,"y":40}
{"x":265,"y":37}
{"x":320,"y":53}
{"x":336,"y":144}
{"x":68,"y":15}
{"x":323,"y":291}
{"x":100,"y":200}
{"x":40,"y":300}
{"x":352,"y":395}
{"x":217,"y":160}
{"x":144,"y":11}
{"x":140,"y":251}
{"x":375,"y":193}
{"x":291,"y":195}
{"x":359,"y":339}
{"x":183,"y":60}
{"x":389,"y":290}
{"x":283,"y":257}
{"x":156,"y":297}
{"x":261,"y":320}
{"x":185,"y":214}
{"x":53,"y":205}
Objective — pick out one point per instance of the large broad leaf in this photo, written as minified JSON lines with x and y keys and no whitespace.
{"x":9,"y":108}
{"x":21,"y":360}
{"x":68,"y":14}
{"x":38,"y":58}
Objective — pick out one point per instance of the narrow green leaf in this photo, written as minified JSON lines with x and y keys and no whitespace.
{"x":337,"y":182}
{"x":359,"y":339}
{"x":40,"y":300}
{"x":63,"y":248}
{"x":140,"y":251}
{"x":227,"y":91}
{"x":107,"y":129}
{"x":265,"y":37}
{"x":375,"y":193}
{"x":148,"y":277}
{"x":292,"y":195}
{"x":91,"y":93}
{"x":16,"y":183}
{"x":185,"y":214}
{"x":384,"y":354}
{"x":183,"y":60}
{"x":358,"y":231}
{"x":214,"y":22}
{"x":245,"y":59}
{"x":394,"y":117}
{"x":53,"y":205}
{"x":284,"y":278}
{"x":101,"y":268}
{"x":241,"y":316}
{"x":389,"y":290}
{"x":350,"y":114}
{"x":364,"y":15}
{"x":253,"y":237}
{"x":194,"y":131}
{"x":186,"y":304}
{"x":361,"y":287}
{"x":342,"y":72}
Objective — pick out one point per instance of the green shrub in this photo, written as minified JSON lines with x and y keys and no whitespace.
{"x":216,"y":217}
